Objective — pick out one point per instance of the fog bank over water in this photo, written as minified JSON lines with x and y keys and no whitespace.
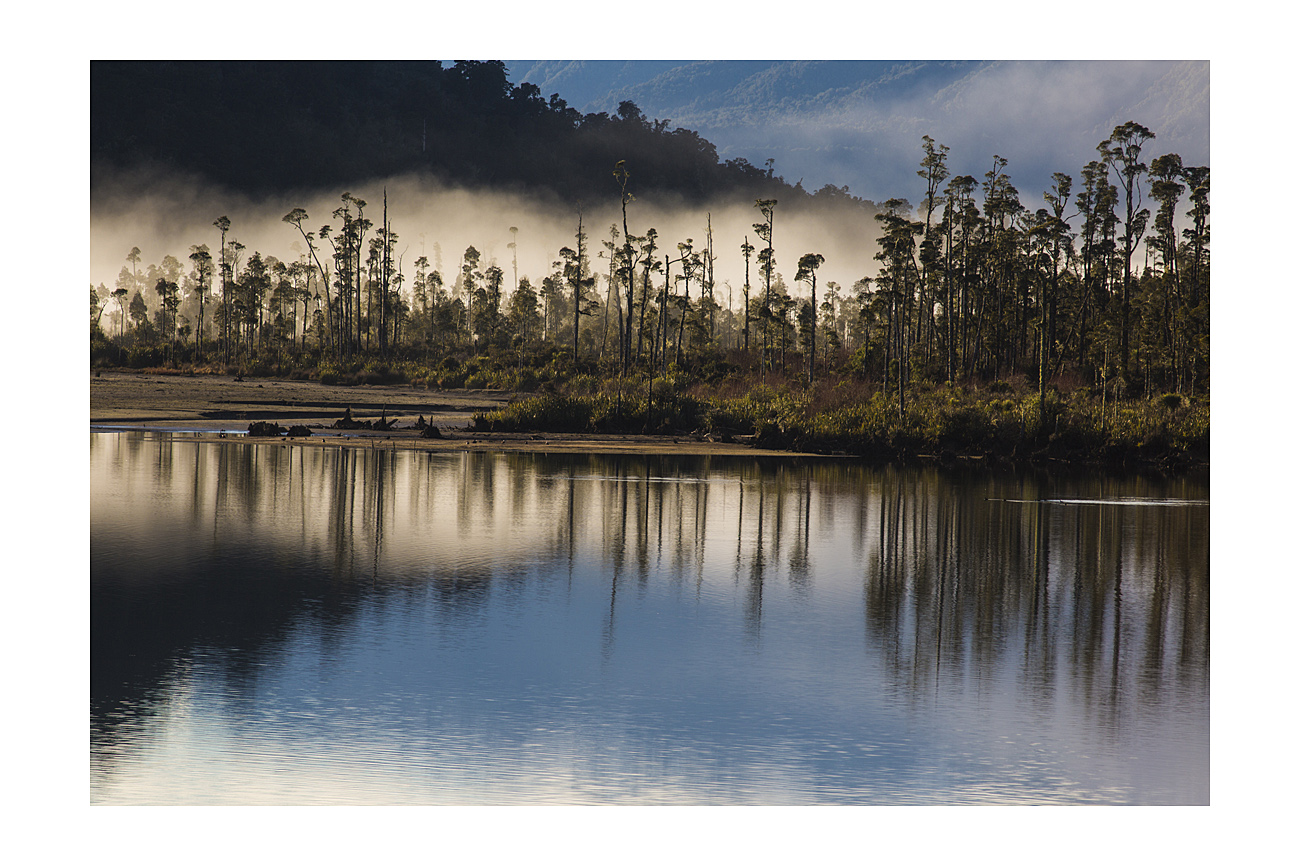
{"x":165,"y":214}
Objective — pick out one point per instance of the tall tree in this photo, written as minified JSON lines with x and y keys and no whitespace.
{"x":360,"y":226}
{"x":1197,"y":322}
{"x":134,"y":258}
{"x":254,"y":284}
{"x":469,"y":274}
{"x":348,"y":244}
{"x":201,"y":276}
{"x":139,"y":312}
{"x":295,"y":218}
{"x":487,"y":310}
{"x":387,"y":302}
{"x":580,"y":282}
{"x":513,"y":246}
{"x":420,"y":290}
{"x":650,"y":264}
{"x":299,"y":274}
{"x":808,"y":265}
{"x":690,"y":261}
{"x":222,"y":224}
{"x":1057,"y":232}
{"x":961,"y":222}
{"x":613,"y":252}
{"x":1198,"y":234}
{"x":98,"y":303}
{"x":934,"y":171}
{"x":627,"y":265}
{"x":169,"y":302}
{"x":1123,"y":153}
{"x":746,"y":250}
{"x":897,"y":250}
{"x":121,"y":292}
{"x":1096,"y":204}
{"x":524,"y":316}
{"x":706,"y":275}
{"x":766,"y":266}
{"x":1166,"y":172}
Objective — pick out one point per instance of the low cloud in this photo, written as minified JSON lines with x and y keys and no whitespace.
{"x":1042,"y":117}
{"x":164,"y":214}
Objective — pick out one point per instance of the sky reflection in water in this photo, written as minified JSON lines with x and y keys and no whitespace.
{"x":289,"y":624}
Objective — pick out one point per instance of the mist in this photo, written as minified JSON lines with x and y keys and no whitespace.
{"x":1042,"y":116}
{"x":165,"y":214}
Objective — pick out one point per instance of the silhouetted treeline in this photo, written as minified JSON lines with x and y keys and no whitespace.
{"x":261,"y":126}
{"x":972,"y":285}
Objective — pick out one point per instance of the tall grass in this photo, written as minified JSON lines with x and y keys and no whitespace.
{"x":851,"y":417}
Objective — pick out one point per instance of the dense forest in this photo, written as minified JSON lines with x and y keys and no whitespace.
{"x":1079,"y":326}
{"x":260,"y":126}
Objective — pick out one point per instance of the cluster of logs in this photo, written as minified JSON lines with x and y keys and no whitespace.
{"x":347,"y":422}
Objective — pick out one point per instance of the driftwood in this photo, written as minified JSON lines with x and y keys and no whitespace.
{"x":265,"y":428}
{"x":347,"y":422}
{"x":430,"y":432}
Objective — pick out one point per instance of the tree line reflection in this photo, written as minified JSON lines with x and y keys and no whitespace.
{"x":961,"y":574}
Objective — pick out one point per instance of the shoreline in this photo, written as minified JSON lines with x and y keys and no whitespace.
{"x":220,"y":409}
{"x":467,"y":441}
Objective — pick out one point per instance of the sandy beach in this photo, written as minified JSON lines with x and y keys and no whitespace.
{"x":222,"y":407}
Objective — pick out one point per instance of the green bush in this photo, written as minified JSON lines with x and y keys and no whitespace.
{"x":552,"y":413}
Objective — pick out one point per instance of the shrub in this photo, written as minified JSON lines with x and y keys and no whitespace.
{"x":553,"y":413}
{"x":835,"y":414}
{"x":1172,"y":401}
{"x":327,"y":373}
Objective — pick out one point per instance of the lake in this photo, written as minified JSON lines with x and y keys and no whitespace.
{"x":278,"y":623}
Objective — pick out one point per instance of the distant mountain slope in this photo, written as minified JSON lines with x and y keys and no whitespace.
{"x":859,"y":123}
{"x":587,"y":85}
{"x":715,"y":93}
{"x":709,"y":91}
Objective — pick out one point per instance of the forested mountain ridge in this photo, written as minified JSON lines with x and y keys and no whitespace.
{"x":277,"y":126}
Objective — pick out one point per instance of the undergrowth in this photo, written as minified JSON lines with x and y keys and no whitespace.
{"x":850,"y":417}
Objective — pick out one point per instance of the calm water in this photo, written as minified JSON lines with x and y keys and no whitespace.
{"x":301,"y":625}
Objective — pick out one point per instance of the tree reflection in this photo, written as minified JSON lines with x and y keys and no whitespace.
{"x":966,"y":577}
{"x":1081,"y":593}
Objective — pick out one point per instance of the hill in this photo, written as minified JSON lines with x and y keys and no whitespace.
{"x":277,"y":126}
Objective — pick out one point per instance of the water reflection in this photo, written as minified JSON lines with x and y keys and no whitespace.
{"x":529,"y":628}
